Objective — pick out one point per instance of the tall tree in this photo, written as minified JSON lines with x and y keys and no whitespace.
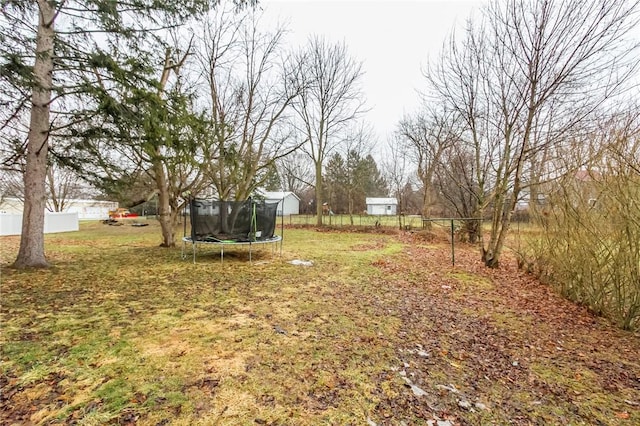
{"x":396,"y":172}
{"x":246,"y":81}
{"x":374,"y":182}
{"x":362,"y":177}
{"x":329,"y":99}
{"x":44,"y":52}
{"x":525,"y":78}
{"x":144,"y":136}
{"x":272,"y":180}
{"x":335,"y":183}
{"x":458,"y":190}
{"x":426,"y":136}
{"x":31,"y":251}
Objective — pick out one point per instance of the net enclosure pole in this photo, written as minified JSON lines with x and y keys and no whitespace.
{"x":282,"y":224}
{"x":253,"y":226}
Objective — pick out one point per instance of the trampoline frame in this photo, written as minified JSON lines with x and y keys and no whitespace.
{"x":185,"y":240}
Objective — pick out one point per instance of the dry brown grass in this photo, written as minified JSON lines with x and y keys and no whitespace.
{"x":120,"y":331}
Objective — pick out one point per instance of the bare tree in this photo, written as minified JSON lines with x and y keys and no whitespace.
{"x":523,"y":80}
{"x":11,"y":185}
{"x":246,"y":78}
{"x":458,"y":81}
{"x":62,"y":185}
{"x":426,"y":136}
{"x":329,"y":99}
{"x":296,"y":172}
{"x":458,"y":190}
{"x":396,"y":167}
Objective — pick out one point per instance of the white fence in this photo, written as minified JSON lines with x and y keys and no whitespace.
{"x":11,"y":224}
{"x":86,"y":209}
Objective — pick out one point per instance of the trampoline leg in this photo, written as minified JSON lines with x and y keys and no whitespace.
{"x":194,"y":253}
{"x":222,"y":254}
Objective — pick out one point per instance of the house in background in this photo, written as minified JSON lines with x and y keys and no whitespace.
{"x":288,"y":202}
{"x":382,"y":206}
{"x":586,"y":186}
{"x":91,"y":209}
{"x":86,"y":209}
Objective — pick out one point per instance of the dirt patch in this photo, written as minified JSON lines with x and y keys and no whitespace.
{"x":367,"y":229}
{"x":373,"y":245}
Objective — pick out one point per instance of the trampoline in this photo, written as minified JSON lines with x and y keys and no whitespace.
{"x":230,"y":223}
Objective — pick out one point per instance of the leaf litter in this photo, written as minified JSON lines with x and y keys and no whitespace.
{"x":369,"y":335}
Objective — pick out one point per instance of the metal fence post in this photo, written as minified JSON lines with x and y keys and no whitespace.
{"x":453,"y":250}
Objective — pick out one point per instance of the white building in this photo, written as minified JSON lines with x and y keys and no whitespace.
{"x":382,"y":206}
{"x":86,"y":209}
{"x":288,"y":202}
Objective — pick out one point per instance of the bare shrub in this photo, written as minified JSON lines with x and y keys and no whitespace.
{"x":590,"y":248}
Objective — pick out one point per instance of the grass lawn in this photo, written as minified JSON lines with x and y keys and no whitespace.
{"x":380,"y":330}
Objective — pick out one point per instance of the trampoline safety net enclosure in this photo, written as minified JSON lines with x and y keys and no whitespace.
{"x":232,"y":221}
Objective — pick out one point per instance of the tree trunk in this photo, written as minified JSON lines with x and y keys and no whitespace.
{"x":350,"y":207}
{"x":491,"y":253}
{"x":319,"y":193}
{"x":500,"y":228}
{"x":31,"y":252}
{"x":164,"y":208}
{"x":401,"y":212}
{"x":471,"y":228}
{"x":491,"y":257}
{"x":426,"y":205}
{"x":174,"y":217}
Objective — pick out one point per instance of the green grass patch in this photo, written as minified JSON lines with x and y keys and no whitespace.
{"x":121,"y":331}
{"x":577,"y":391}
{"x":471,"y":281}
{"x":120,"y":327}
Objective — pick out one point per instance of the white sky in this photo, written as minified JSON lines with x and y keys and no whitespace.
{"x":394,"y":39}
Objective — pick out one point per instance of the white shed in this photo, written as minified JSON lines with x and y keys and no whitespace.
{"x":382,"y":206}
{"x":288,"y":202}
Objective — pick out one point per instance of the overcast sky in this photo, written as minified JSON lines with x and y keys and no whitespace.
{"x":394,"y":39}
